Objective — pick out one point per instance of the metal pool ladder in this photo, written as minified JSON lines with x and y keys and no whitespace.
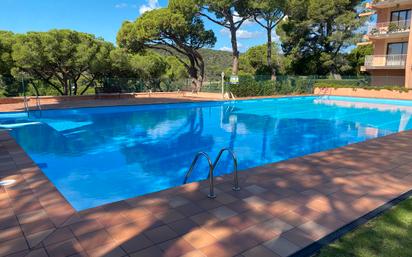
{"x":212,"y":167}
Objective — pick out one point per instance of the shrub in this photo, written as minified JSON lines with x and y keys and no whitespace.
{"x":386,"y":87}
{"x":251,"y":86}
{"x":341,"y":82}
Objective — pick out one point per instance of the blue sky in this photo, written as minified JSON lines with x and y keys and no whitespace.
{"x":100,"y":17}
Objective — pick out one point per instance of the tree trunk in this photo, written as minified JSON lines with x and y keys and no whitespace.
{"x":269,"y":53}
{"x":75,"y":87}
{"x":235,"y":52}
{"x":66,"y":87}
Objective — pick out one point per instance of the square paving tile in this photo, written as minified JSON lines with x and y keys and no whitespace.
{"x":169,"y":216}
{"x":94,"y":239}
{"x":183,"y":226}
{"x":315,"y":230}
{"x":13,"y":246}
{"x":189,"y":209}
{"x":223,"y":212}
{"x":176,"y":247}
{"x":281,"y":246}
{"x":259,"y":251}
{"x":177,"y":201}
{"x":199,"y":238}
{"x":10,"y":233}
{"x":65,"y":248}
{"x":136,"y":243}
{"x":161,"y":234}
{"x":148,"y":252}
{"x":254,"y":189}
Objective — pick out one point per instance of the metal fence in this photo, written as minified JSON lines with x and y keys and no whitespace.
{"x":246,"y":85}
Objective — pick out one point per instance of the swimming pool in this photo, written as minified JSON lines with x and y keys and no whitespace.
{"x":101,"y":155}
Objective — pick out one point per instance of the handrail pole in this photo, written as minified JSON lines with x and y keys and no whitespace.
{"x":235,"y":172}
{"x":211,"y":194}
{"x":235,"y":175}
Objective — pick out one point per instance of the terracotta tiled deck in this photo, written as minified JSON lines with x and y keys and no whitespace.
{"x":282,"y":207}
{"x":60,"y":102}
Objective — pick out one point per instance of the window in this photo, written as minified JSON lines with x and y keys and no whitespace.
{"x":401,"y":17}
{"x":397,"y":48}
{"x":397,"y":54}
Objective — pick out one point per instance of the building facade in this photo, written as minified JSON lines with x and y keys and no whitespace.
{"x":391,"y":62}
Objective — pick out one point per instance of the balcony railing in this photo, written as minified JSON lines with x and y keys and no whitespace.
{"x":388,"y":3}
{"x":386,"y":28}
{"x":396,"y":61}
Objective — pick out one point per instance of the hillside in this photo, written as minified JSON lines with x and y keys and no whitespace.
{"x":216,"y":61}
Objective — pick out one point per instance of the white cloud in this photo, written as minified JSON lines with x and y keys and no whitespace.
{"x":150,"y":5}
{"x":242,"y":34}
{"x":238,"y":18}
{"x":121,"y":5}
{"x":225,"y":48}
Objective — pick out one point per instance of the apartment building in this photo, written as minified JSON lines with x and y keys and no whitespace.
{"x":391,"y":62}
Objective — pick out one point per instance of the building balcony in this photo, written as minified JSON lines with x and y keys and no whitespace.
{"x":389,"y":29}
{"x":380,"y":4}
{"x":396,"y":61}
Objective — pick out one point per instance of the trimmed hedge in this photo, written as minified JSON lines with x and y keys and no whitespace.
{"x":341,"y":82}
{"x":251,"y":86}
{"x":391,"y":88}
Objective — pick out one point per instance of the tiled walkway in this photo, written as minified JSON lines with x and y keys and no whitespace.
{"x":281,"y":208}
{"x":113,"y":100}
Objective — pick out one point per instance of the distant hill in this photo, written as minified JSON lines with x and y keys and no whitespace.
{"x":216,"y":61}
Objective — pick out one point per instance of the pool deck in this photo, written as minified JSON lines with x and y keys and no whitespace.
{"x":62,"y":102}
{"x":281,"y":208}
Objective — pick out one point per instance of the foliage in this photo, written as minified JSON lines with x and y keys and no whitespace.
{"x":254,"y":61}
{"x":176,"y":27}
{"x":361,"y":86}
{"x":341,"y":82}
{"x":268,"y":13}
{"x":262,"y":86}
{"x":175,"y":70}
{"x":315,"y":33}
{"x":356,"y":58}
{"x":230,"y":14}
{"x":386,"y":235}
{"x":215,"y":61}
{"x":151,"y":66}
{"x":60,"y":58}
{"x":8,"y":85}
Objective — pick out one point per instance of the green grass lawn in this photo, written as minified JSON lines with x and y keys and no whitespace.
{"x":387,"y":235}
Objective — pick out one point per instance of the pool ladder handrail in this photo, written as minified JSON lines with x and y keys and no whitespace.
{"x":38,"y":105}
{"x":26,"y":104}
{"x":212,"y":168}
{"x":235,"y":174}
{"x":211,"y":194}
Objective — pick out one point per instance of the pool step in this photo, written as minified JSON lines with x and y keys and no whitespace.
{"x":212,"y":167}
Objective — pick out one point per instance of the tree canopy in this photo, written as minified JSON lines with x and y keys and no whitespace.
{"x":172,"y":43}
{"x":268,"y":13}
{"x":60,"y":57}
{"x":315,"y":33}
{"x":175,"y":29}
{"x":356,"y":58}
{"x":254,"y":61}
{"x":230,"y":14}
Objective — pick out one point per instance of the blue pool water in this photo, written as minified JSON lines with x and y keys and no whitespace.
{"x":101,"y":155}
